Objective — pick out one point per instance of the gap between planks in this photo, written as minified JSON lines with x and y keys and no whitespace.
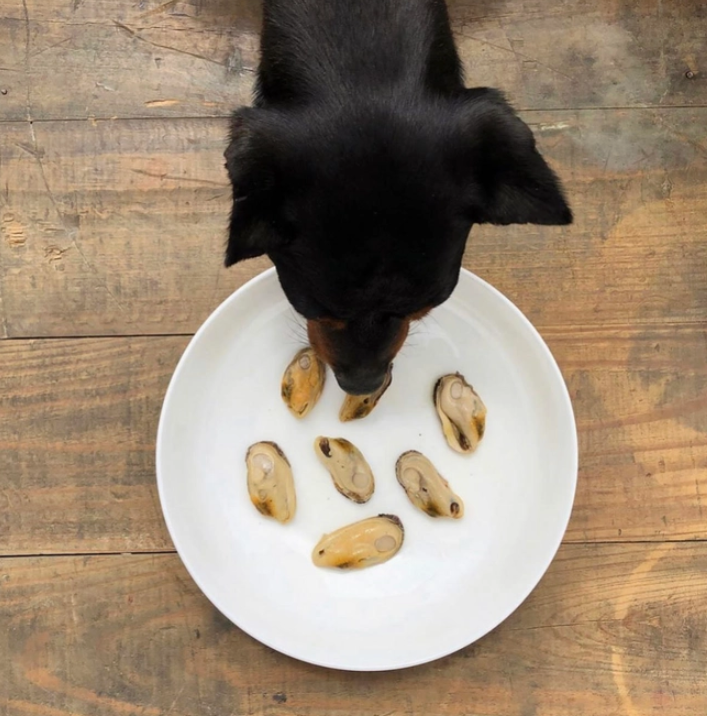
{"x":545,"y":330}
{"x":122,"y":553}
{"x":188,"y":117}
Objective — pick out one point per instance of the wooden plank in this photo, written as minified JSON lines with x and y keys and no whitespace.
{"x":77,"y":440}
{"x":118,"y":227}
{"x":585,"y":54}
{"x":78,"y":420}
{"x":611,"y":629}
{"x":114,"y":227}
{"x":189,"y":58}
{"x":144,"y":58}
{"x":640,"y":399}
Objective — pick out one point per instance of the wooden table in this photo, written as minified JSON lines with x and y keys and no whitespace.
{"x":113,"y":207}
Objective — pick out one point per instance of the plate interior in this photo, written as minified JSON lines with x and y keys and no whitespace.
{"x":453,"y":581}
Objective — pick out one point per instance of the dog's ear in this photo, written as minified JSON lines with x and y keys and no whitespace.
{"x":504,"y":178}
{"x":251,"y":165}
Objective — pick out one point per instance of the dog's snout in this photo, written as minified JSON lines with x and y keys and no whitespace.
{"x":359,"y":382}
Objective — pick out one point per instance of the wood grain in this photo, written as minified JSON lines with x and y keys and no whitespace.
{"x":118,"y":227}
{"x":77,"y":438}
{"x":192,"y":58}
{"x":78,"y":420}
{"x":136,"y":59}
{"x":611,"y":629}
{"x":555,"y":55}
{"x":640,"y":399}
{"x":107,"y":224}
{"x":113,"y":210}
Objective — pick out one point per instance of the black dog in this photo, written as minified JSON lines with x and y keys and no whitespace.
{"x":363,"y":166}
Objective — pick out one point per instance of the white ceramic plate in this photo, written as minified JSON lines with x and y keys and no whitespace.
{"x":453,"y":581}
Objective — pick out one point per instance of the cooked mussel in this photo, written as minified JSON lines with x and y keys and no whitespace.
{"x":461,"y":412}
{"x":356,"y":407}
{"x":426,"y":488}
{"x":303,"y":382}
{"x":361,"y":544}
{"x":270,"y":483}
{"x":351,"y":474}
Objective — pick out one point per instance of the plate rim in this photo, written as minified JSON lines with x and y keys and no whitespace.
{"x":267,"y":275}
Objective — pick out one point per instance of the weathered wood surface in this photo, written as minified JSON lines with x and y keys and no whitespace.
{"x":118,"y":227}
{"x":98,"y":58}
{"x":113,"y":223}
{"x":114,"y":227}
{"x":611,"y":629}
{"x":78,"y":420}
{"x":640,"y":398}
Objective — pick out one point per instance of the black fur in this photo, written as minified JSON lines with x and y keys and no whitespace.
{"x":363,"y":165}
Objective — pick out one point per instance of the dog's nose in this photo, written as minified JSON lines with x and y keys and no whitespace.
{"x":360,"y":384}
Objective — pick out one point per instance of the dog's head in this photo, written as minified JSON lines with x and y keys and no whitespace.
{"x":365,"y":212}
